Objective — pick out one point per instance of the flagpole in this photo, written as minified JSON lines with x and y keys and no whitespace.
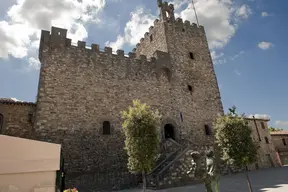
{"x":195,"y":13}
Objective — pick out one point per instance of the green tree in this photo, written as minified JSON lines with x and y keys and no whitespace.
{"x":233,"y":137}
{"x":140,"y":126}
{"x":272,"y":129}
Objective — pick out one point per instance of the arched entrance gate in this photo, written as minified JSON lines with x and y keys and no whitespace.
{"x":169,"y":132}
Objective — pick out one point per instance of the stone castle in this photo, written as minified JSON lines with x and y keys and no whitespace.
{"x":83,"y":90}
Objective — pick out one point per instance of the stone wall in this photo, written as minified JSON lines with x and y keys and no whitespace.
{"x":267,"y":156}
{"x":277,"y":139}
{"x":103,"y":181}
{"x":195,"y":87}
{"x":80,"y":88}
{"x":17,"y":118}
{"x":280,"y":141}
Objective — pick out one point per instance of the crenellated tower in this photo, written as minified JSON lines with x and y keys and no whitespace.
{"x":195,"y":82}
{"x":82,"y":91}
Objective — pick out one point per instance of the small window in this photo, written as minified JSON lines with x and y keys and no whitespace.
{"x":190,"y":88}
{"x":191,"y":55}
{"x":263,"y":125}
{"x":151,"y":38}
{"x":284,"y":141}
{"x":106,"y":128}
{"x":208,"y":130}
{"x":266,"y":140}
{"x":1,"y":122}
{"x":183,"y":30}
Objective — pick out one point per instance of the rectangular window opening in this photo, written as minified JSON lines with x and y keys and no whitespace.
{"x":208,"y":130}
{"x":284,"y":142}
{"x":263,"y":125}
{"x":266,"y":140}
{"x":191,"y":55}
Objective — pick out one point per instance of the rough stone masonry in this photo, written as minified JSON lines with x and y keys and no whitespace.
{"x":82,"y":91}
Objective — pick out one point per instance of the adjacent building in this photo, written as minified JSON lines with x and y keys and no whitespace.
{"x":82,"y":91}
{"x":267,"y":156}
{"x":280,"y":140}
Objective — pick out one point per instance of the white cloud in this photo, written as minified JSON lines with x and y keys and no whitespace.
{"x":264,"y":14}
{"x":215,"y":56}
{"x":219,"y":17}
{"x":34,"y":62}
{"x":219,"y":59}
{"x":134,"y":30}
{"x":237,"y":72}
{"x":21,"y":31}
{"x":244,"y":11}
{"x":265,"y":45}
{"x":260,"y":116}
{"x":16,"y":100}
{"x":237,"y":55}
{"x":216,"y":16}
{"x":281,"y":123}
{"x":117,"y":44}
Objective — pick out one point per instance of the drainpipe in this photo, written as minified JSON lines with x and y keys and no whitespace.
{"x":256,"y":128}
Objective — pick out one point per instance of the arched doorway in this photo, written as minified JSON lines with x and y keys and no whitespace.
{"x":169,"y":132}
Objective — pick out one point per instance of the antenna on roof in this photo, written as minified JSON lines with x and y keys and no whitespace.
{"x":195,"y":13}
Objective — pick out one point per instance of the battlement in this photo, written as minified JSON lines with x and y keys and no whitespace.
{"x":58,"y":39}
{"x":177,"y":25}
{"x":167,"y":25}
{"x":57,"y":44}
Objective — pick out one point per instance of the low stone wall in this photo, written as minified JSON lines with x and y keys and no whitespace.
{"x":102,"y":181}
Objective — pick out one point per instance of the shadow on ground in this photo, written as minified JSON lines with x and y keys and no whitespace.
{"x":265,"y":180}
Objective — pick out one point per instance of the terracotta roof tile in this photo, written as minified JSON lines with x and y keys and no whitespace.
{"x":279,"y":132}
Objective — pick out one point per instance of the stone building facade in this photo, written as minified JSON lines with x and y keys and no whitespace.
{"x":16,"y":118}
{"x":280,"y":140}
{"x":82,"y":91}
{"x":267,"y":156}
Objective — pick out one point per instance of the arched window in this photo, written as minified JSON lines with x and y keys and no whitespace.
{"x":1,"y":122}
{"x":208,"y":130}
{"x":106,"y":128}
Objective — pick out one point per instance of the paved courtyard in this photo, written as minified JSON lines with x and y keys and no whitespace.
{"x":265,"y":180}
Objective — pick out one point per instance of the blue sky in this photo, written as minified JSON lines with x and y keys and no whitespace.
{"x":247,"y":39}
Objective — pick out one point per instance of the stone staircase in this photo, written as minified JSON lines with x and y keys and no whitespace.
{"x":171,"y":168}
{"x":171,"y":152}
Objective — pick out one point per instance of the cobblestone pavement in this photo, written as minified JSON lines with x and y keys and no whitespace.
{"x":265,"y":180}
